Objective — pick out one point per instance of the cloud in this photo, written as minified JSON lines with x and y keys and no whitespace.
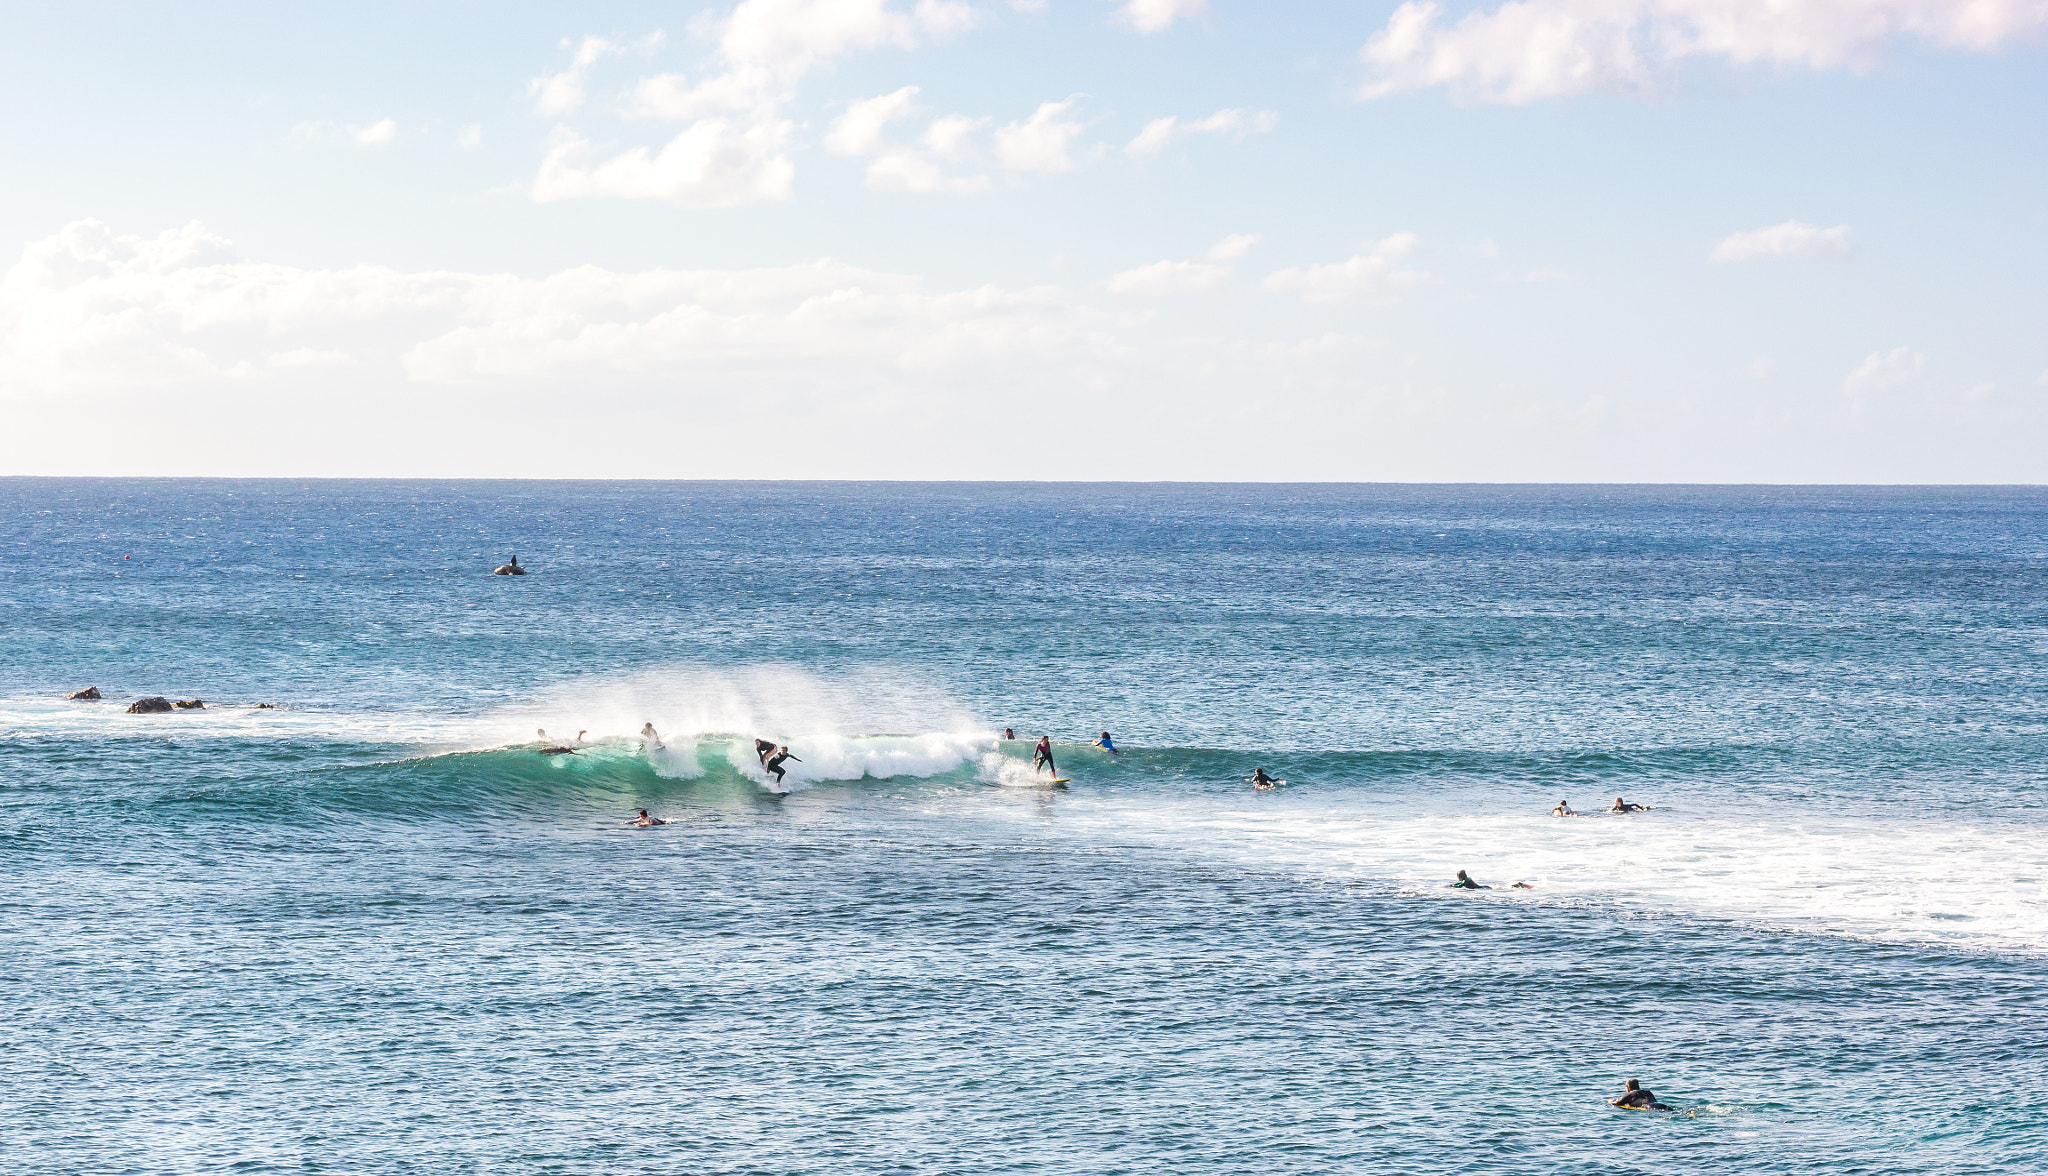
{"x":1186,"y":277}
{"x":1161,"y":133}
{"x":1040,"y":143}
{"x":901,"y":167}
{"x":714,"y":163}
{"x":1529,"y":50}
{"x":734,"y":148}
{"x":1152,"y":16}
{"x":1791,"y":239}
{"x":1169,"y":277}
{"x":1882,"y":371}
{"x":88,"y":309}
{"x":471,"y":137}
{"x":1375,"y":273}
{"x":377,"y":134}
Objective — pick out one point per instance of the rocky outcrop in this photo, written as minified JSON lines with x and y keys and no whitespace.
{"x":150,"y":706}
{"x":190,"y":704}
{"x":89,"y":694}
{"x":266,"y":706}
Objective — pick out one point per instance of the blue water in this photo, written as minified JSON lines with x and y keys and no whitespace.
{"x":374,"y":930}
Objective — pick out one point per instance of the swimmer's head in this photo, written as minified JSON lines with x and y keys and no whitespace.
{"x":643,"y":812}
{"x":1633,"y":1085}
{"x":1461,"y":875}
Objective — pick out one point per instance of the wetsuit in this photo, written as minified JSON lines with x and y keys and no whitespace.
{"x":774,"y":765}
{"x":764,"y":749}
{"x":1041,"y":756}
{"x":1644,"y":1100}
{"x":1466,"y":884}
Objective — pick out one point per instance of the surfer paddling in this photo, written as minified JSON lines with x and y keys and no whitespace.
{"x":1107,"y":744}
{"x":1622,"y":806}
{"x":1635,"y":1098}
{"x":647,"y":822}
{"x":1261,"y":781}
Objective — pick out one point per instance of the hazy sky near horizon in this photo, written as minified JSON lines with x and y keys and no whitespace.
{"x":1544,"y":240}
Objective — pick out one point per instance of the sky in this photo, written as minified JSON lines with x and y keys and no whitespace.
{"x":1541,"y":240}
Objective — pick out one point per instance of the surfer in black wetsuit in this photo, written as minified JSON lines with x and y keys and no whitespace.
{"x":646,"y":821}
{"x":1465,"y":882}
{"x":1635,"y":1098}
{"x":1261,"y":781}
{"x":763,"y":748}
{"x":1622,"y":806}
{"x":1009,"y":732}
{"x":774,"y":762}
{"x":1041,"y":756}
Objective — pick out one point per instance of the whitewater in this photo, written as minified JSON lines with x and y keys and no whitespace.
{"x":386,"y":933}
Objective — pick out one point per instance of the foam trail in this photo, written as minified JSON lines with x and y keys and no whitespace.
{"x":1011,"y":772}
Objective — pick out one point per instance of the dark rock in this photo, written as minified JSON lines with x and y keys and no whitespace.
{"x":190,"y":704}
{"x":266,"y":706}
{"x":150,"y":706}
{"x":89,"y":694}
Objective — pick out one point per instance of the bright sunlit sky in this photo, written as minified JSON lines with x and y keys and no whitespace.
{"x":1549,"y":240}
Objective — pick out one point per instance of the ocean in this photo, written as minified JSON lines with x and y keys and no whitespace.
{"x":372,"y":929}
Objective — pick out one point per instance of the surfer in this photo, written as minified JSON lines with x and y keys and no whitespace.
{"x":1465,"y":882}
{"x":653,"y":740}
{"x":1622,"y":806}
{"x":1009,"y":732}
{"x":646,"y":821}
{"x":1261,"y":781}
{"x":558,"y":751}
{"x":1106,"y":744}
{"x":510,"y":569}
{"x":1635,"y":1098}
{"x":774,"y":762}
{"x":1563,"y":809}
{"x":1041,"y":756}
{"x":581,"y":734}
{"x":763,"y":749}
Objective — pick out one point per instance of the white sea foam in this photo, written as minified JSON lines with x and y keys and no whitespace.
{"x":1914,"y":878}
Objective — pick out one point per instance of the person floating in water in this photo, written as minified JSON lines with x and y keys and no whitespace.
{"x":1106,"y":744}
{"x":1635,"y":1098}
{"x":774,"y":763}
{"x":1261,"y":781}
{"x":1622,"y":806}
{"x":763,"y":748}
{"x":1009,"y":732}
{"x":1041,"y":756}
{"x":510,"y":569}
{"x":653,"y":740}
{"x":1563,"y":809}
{"x":1465,"y":882}
{"x":646,"y":821}
{"x":542,"y":734}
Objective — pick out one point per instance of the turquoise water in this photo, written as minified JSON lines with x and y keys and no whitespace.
{"x":375,"y":931}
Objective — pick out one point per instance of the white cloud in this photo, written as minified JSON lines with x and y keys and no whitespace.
{"x":899,"y":167}
{"x":1375,"y":273}
{"x":1161,"y":133}
{"x":1169,"y":277}
{"x":1041,"y":143}
{"x":1791,"y":239}
{"x":734,"y":148}
{"x":1235,"y":246}
{"x":1882,"y":371}
{"x":88,"y":309}
{"x":1152,"y":16}
{"x":713,"y":163}
{"x":471,"y":137}
{"x":1528,"y":50}
{"x":376,"y":134}
{"x":1186,"y":277}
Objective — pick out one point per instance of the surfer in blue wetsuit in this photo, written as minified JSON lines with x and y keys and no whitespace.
{"x":1107,"y":744}
{"x":1041,"y":756}
{"x":774,"y":763}
{"x":1635,"y":1098}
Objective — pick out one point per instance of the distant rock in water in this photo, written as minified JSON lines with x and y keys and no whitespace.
{"x":510,"y":569}
{"x":266,"y":706}
{"x":190,"y":704}
{"x":89,"y":694}
{"x":150,"y":706}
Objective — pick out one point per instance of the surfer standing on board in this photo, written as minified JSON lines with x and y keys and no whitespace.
{"x":763,"y":748}
{"x":1041,"y":756}
{"x":774,"y":762}
{"x":653,"y":740}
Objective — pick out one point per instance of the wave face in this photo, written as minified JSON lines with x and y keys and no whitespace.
{"x":1832,"y":701}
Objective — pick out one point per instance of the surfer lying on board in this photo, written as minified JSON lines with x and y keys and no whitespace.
{"x":1622,"y":806}
{"x":1041,"y":756}
{"x":1635,"y":1098}
{"x":646,"y":821}
{"x":1261,"y":781}
{"x":1107,"y":744}
{"x":1563,"y":809}
{"x":1465,"y":882}
{"x":653,"y":740}
{"x":774,"y":762}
